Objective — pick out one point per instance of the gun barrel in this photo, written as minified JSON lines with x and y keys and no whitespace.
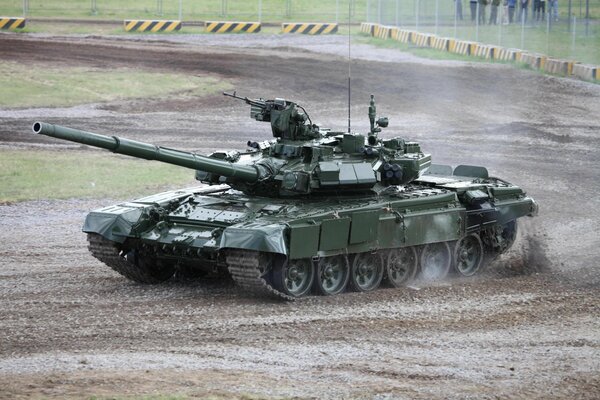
{"x":149,"y":151}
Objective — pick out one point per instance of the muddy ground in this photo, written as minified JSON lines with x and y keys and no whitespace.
{"x":527,"y":327}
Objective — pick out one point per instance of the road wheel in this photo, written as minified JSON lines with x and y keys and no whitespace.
{"x":468,"y":255}
{"x":435,"y":261}
{"x":332,"y":275}
{"x":294,"y":277}
{"x":367,"y":272}
{"x":401,"y":266}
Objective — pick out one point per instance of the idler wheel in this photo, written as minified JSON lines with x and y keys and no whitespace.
{"x":401,"y":266}
{"x":295,"y":277}
{"x":435,"y":259}
{"x":468,"y":255}
{"x":367,"y":272}
{"x":332,"y":275}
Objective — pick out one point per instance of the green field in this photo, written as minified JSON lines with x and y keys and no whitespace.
{"x":37,"y":86}
{"x":33,"y":174}
{"x":403,"y":12}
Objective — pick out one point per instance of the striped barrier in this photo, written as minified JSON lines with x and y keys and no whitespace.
{"x":486,"y":51}
{"x":441,"y":43}
{"x":586,"y":71}
{"x":559,"y":67}
{"x":368,"y":28}
{"x":309,"y":28}
{"x":463,"y":47}
{"x":229,"y":27}
{"x":404,"y":36}
{"x":382,"y":31}
{"x":535,"y":61}
{"x":12,"y":23}
{"x":422,"y":39}
{"x":489,"y":52}
{"x":148,"y":25}
{"x":504,"y":54}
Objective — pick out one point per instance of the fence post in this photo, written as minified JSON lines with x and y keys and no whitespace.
{"x":180,"y":10}
{"x":587,"y":17}
{"x":417,"y":8}
{"x":456,"y":17}
{"x":368,"y":10}
{"x":259,"y":10}
{"x":477,"y":23}
{"x":397,"y":13}
{"x":379,"y":12}
{"x":548,"y":33}
{"x":574,"y":35}
{"x":500,"y":23}
{"x":94,"y":8}
{"x":522,"y":29}
{"x":437,"y":11}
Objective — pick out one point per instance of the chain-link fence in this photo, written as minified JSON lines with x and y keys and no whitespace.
{"x":572,"y":30}
{"x":190,"y":10}
{"x":550,"y":27}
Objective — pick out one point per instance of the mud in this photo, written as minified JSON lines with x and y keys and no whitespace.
{"x":527,"y":327}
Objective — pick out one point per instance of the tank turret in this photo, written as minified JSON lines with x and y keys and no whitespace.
{"x":301,"y":159}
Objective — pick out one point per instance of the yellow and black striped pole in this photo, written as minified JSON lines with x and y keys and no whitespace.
{"x":232,"y":27}
{"x":148,"y":25}
{"x":11,"y":23}
{"x":309,"y":28}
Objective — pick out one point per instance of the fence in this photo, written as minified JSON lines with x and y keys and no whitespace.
{"x":190,"y":10}
{"x":575,"y":35}
{"x":567,"y":32}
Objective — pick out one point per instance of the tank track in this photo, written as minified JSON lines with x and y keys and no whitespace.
{"x":109,"y":253}
{"x":245,"y":269}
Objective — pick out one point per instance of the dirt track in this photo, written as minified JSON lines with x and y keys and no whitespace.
{"x":526,"y":328}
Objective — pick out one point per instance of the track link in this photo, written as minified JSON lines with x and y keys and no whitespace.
{"x":109,"y":253}
{"x":246,"y":269}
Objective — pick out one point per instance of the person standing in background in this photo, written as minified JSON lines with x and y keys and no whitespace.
{"x":541,"y":11}
{"x":523,"y":14}
{"x":481,"y":16}
{"x":553,"y":8}
{"x":511,"y":10}
{"x":494,"y":12}
{"x":473,"y":5}
{"x":536,"y":9}
{"x":458,"y":9}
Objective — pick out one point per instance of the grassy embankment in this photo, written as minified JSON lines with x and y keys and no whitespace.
{"x":27,"y":174}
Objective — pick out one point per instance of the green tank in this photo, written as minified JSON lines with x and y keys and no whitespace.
{"x":312,"y":211}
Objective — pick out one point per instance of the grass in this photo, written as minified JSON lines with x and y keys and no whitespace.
{"x":35,"y":174}
{"x":37,"y":86}
{"x":241,"y":10}
{"x":403,"y":11}
{"x":424,"y":52}
{"x":556,"y":43}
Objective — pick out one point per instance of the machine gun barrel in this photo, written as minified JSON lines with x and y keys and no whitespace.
{"x":255,"y":103}
{"x":149,"y":151}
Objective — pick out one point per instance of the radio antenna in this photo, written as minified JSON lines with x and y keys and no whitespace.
{"x":349,"y":62}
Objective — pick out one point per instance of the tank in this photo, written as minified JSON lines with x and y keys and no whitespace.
{"x":311,"y":212}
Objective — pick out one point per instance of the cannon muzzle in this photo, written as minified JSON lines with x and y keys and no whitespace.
{"x":148,"y":151}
